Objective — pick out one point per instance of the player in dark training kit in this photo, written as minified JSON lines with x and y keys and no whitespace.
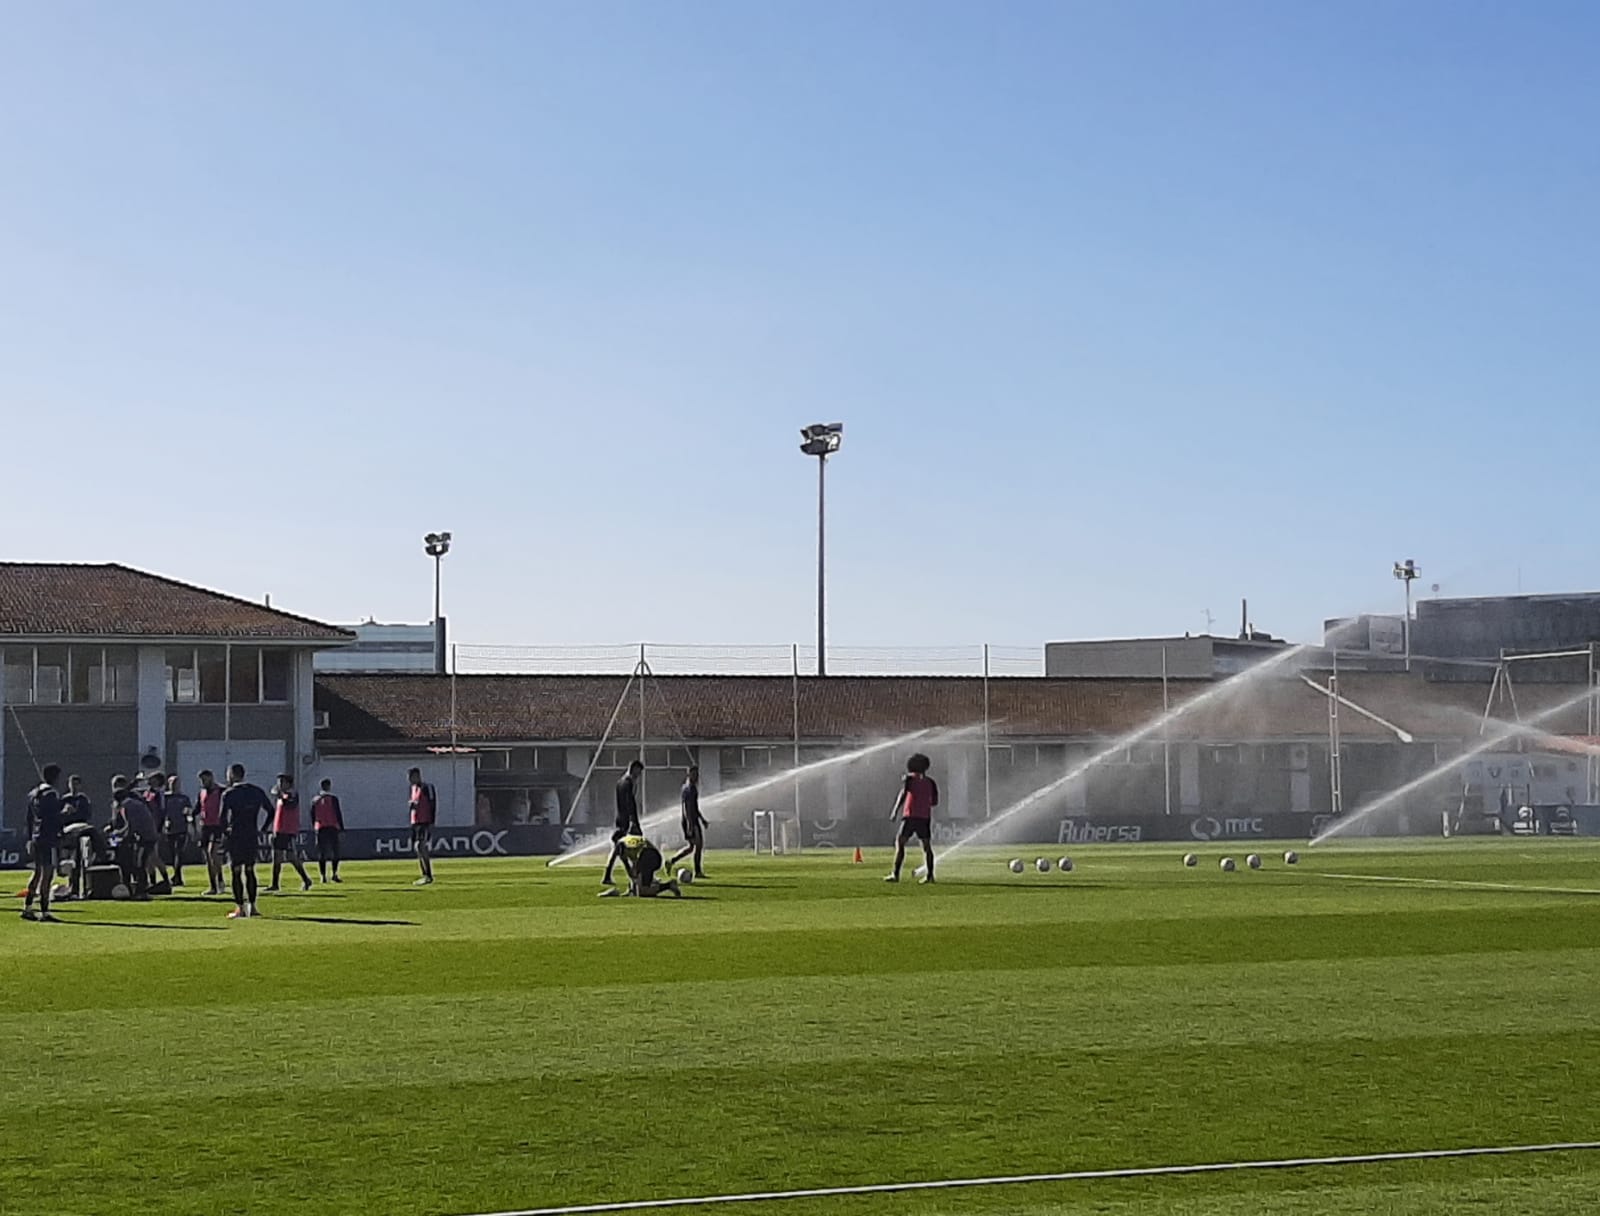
{"x":286,"y":832}
{"x":424,"y":814}
{"x":914,"y":809}
{"x":208,"y":813}
{"x":244,"y":811}
{"x":693,"y":824}
{"x":46,"y":818}
{"x":627,"y":818}
{"x":327,"y":817}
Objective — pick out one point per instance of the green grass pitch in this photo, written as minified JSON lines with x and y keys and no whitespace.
{"x":505,"y":1040}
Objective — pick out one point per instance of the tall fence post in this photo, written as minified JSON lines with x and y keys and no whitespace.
{"x":988,"y":805}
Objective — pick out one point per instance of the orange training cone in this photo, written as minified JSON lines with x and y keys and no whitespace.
{"x":858,"y":854}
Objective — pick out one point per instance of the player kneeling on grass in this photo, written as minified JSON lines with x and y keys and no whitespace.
{"x":643,"y":862}
{"x":914,"y":809}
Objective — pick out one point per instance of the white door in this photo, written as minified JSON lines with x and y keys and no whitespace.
{"x":262,"y":759}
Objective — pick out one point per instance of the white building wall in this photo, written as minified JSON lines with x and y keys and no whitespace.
{"x":374,"y":793}
{"x":152,"y":701}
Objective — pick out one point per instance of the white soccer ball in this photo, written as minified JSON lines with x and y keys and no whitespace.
{"x":686,"y":876}
{"x":1291,"y":858}
{"x":1016,"y":865}
{"x":921,"y":871}
{"x":1042,"y":864}
{"x":1253,"y":861}
{"x":59,"y":891}
{"x":1189,"y":859}
{"x":121,"y":891}
{"x":1228,"y":866}
{"x":1065,"y":865}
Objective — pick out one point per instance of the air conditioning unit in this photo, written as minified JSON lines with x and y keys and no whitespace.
{"x":319,"y":719}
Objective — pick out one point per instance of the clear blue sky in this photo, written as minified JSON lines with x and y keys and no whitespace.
{"x":1130,"y":308}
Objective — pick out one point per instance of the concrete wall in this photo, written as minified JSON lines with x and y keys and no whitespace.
{"x":374,"y":793}
{"x":96,"y":742}
{"x":1132,"y":658}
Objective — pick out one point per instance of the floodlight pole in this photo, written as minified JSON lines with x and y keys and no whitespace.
{"x":1407,"y":572}
{"x":822,"y":565}
{"x":822,"y":440}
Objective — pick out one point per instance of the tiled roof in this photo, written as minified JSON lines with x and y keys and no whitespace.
{"x":409,"y":710}
{"x":104,"y":601}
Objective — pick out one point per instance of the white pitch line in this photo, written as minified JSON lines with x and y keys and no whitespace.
{"x":1465,"y":883}
{"x":1152,"y":1171}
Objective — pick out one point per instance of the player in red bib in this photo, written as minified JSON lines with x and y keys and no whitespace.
{"x":327,"y":817}
{"x":286,"y":832}
{"x":424,"y":814}
{"x":914,"y":809}
{"x":208,"y":814}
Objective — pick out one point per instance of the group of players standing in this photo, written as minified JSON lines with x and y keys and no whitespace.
{"x":230,"y":820}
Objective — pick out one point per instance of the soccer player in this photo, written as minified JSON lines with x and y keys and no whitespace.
{"x":328,"y":818}
{"x":78,"y":811}
{"x":179,"y":812}
{"x":642,"y":861}
{"x":243,"y":808}
{"x":693,"y":823}
{"x":131,"y":818}
{"x":627,"y":817}
{"x":286,"y":832}
{"x":914,"y":809}
{"x":209,"y":813}
{"x":45,"y":821}
{"x":155,"y":797}
{"x":424,"y":814}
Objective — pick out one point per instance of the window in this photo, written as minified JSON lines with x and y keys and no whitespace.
{"x":121,"y":664}
{"x":19,"y":674}
{"x":275,"y":676}
{"x":50,"y":675}
{"x":213,"y":664}
{"x":244,"y":676}
{"x":85,"y":686}
{"x":183,"y":676}
{"x":494,"y":761}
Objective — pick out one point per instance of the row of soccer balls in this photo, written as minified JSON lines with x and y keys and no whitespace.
{"x":1042,"y":864}
{"x":1253,"y":861}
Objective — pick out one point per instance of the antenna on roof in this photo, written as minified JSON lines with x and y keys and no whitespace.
{"x":267,"y":599}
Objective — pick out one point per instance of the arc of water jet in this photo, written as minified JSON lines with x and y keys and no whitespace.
{"x":1122,"y":743}
{"x":1400,"y":732}
{"x":662,"y":818}
{"x":1488,"y":743}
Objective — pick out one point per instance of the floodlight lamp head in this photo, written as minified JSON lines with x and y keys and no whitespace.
{"x":821,"y":438}
{"x":1406,"y":570}
{"x":436,"y":544}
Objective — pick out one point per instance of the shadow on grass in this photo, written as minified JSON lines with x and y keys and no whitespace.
{"x":1053,"y":888}
{"x":127,"y":924}
{"x":345,"y":920}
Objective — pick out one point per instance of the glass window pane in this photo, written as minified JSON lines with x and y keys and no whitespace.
{"x":122,"y":675}
{"x":183,"y":678}
{"x":85,"y":686}
{"x":244,"y":679}
{"x":19,"y":675}
{"x":275,"y":676}
{"x":51,"y":677}
{"x":213,"y":675}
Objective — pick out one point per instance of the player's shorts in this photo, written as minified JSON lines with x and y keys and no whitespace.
{"x":693,"y":833}
{"x":421,"y":833}
{"x":242,"y":850}
{"x":176,"y":841}
{"x":284,"y":842}
{"x":328,"y":838}
{"x":211,"y":833}
{"x":922,"y":829}
{"x":46,"y":852}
